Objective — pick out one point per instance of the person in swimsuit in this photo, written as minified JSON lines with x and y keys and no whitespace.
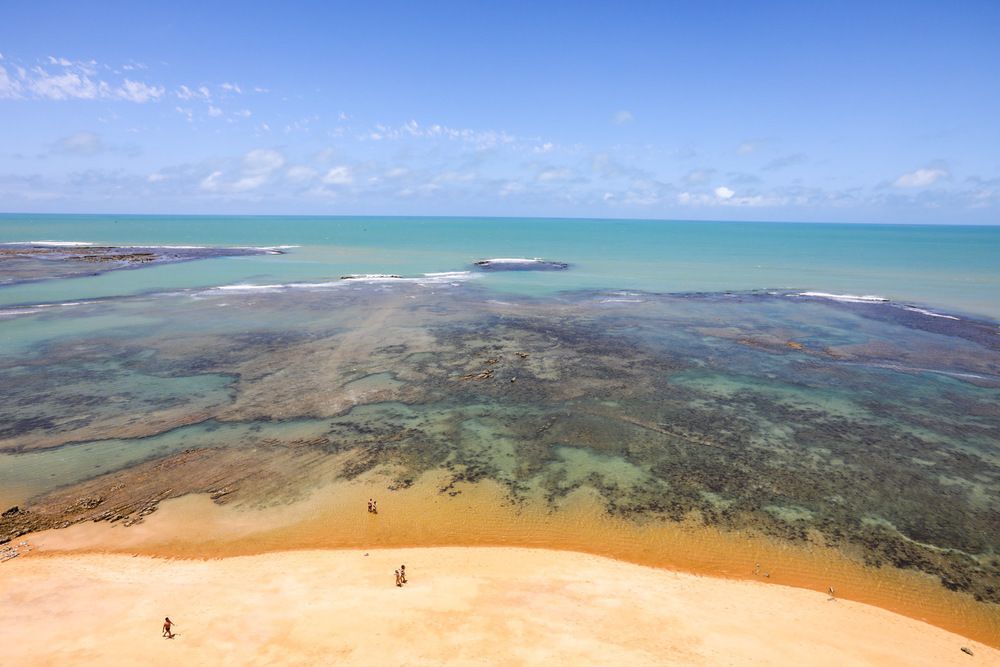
{"x":167,"y":624}
{"x":398,"y":580}
{"x":402,"y":573}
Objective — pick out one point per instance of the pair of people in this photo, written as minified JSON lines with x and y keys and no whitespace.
{"x":401,"y":576}
{"x":372,"y":506}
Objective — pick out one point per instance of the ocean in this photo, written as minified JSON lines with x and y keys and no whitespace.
{"x":953,"y":268}
{"x":815,"y":400}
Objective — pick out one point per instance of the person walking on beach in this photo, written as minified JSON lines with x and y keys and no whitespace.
{"x":402,"y":574}
{"x":399,"y":582}
{"x":167,"y":624}
{"x":374,"y":507}
{"x":371,"y":504}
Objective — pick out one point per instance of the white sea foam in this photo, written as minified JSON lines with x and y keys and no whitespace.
{"x":451,"y":274}
{"x":37,"y":308}
{"x":930,"y":313}
{"x":442,"y":278}
{"x":512,"y":260}
{"x":54,"y":244}
{"x":247,"y":287}
{"x":849,"y":298}
{"x":622,"y":300}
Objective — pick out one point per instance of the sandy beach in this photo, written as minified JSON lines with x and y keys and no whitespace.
{"x":461,"y":606}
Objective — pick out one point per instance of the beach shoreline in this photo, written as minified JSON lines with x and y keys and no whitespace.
{"x":195,"y":527}
{"x":490,"y":605}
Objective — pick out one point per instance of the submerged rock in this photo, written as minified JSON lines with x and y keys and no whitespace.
{"x":520,"y":264}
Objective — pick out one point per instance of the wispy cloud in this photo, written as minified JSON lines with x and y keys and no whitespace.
{"x":62,"y":79}
{"x":81,"y":143}
{"x":785,"y":161}
{"x":622,"y":117}
{"x":921,"y":178}
{"x":185,"y":93}
{"x":480,"y":138}
{"x":339,"y":175}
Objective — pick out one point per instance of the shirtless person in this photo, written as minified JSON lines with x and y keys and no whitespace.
{"x":402,"y":574}
{"x":167,"y":624}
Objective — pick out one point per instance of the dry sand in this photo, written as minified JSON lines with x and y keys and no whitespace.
{"x":462,"y":606}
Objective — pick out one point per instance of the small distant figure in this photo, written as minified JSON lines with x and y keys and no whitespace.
{"x":371,"y":504}
{"x":374,"y":507}
{"x":167,"y":625}
{"x":402,"y":574}
{"x":399,"y":581}
{"x":833,"y":594}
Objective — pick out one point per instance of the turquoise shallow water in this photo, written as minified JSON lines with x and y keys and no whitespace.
{"x":956,"y":269}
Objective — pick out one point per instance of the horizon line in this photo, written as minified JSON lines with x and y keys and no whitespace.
{"x":501,"y":217}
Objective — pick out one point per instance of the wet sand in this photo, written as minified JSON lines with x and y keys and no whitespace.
{"x":461,"y":606}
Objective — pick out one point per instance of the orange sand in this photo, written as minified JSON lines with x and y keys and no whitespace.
{"x":335,"y":517}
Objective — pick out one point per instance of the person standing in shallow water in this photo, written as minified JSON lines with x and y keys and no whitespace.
{"x":167,"y":624}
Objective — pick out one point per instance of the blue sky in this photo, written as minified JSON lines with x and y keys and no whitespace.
{"x":877,"y":112}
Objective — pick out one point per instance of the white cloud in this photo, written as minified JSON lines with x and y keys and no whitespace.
{"x":138,"y":92}
{"x":242,"y":113}
{"x":81,"y":143}
{"x":231,"y":88}
{"x":262,"y":161}
{"x":187,"y":113}
{"x":258,"y":166}
{"x":300,"y":174}
{"x":75,"y":82}
{"x":340,"y":175}
{"x":722,"y":192}
{"x":9,"y":88}
{"x":699,"y":176}
{"x":482,"y":139}
{"x":211,"y":182}
{"x":622,"y":117}
{"x":555,"y":175}
{"x":547,"y":147}
{"x":747,"y":147}
{"x":66,"y":86}
{"x":511,"y":188}
{"x":920,"y":178}
{"x":156,"y":177}
{"x":185,"y":93}
{"x":214,"y":112}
